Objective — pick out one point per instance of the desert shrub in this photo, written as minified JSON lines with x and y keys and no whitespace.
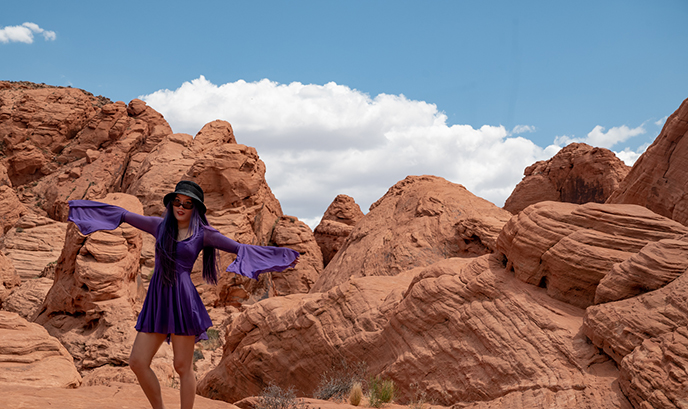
{"x":336,"y":382}
{"x":274,"y":397}
{"x":213,"y":342}
{"x":380,"y":391}
{"x":356,"y":394}
{"x":419,"y":399}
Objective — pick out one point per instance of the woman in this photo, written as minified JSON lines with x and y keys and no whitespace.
{"x":173,"y":310}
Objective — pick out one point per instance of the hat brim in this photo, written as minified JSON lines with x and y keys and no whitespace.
{"x":198,"y":203}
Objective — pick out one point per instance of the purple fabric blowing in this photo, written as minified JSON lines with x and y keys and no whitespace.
{"x":178,"y":309}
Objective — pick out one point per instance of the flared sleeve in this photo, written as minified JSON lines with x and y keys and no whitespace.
{"x":90,"y":216}
{"x":252,"y":260}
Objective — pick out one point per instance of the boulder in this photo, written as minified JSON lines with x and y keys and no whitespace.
{"x":658,"y":179}
{"x":295,"y":234}
{"x":569,"y":248}
{"x":336,"y":225}
{"x":34,"y":242}
{"x":578,"y":174}
{"x":420,"y":220}
{"x":30,"y":356}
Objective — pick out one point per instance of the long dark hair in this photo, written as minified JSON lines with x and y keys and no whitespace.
{"x":166,"y":246}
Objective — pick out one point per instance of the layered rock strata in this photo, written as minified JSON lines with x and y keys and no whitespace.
{"x":659,"y":180}
{"x":570,"y":248}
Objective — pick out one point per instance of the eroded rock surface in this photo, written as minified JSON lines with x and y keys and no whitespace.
{"x":462,"y":330}
{"x":577,"y":174}
{"x":569,"y":248}
{"x":93,"y":304}
{"x":336,"y":225}
{"x":420,"y":220}
{"x":33,"y":243}
{"x":30,"y":356}
{"x":659,"y":180}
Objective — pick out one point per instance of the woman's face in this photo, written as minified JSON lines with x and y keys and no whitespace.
{"x":182,"y":215}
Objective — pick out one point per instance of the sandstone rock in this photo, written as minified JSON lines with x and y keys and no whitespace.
{"x":569,"y":248}
{"x":462,"y":330}
{"x":29,"y":356}
{"x":37,"y":122}
{"x":8,"y":278}
{"x":115,"y":396}
{"x":92,"y":305}
{"x":295,"y":234}
{"x":433,"y":219}
{"x":658,"y":179}
{"x":336,"y":225}
{"x":34,"y":242}
{"x":619,"y":327}
{"x":11,"y":209}
{"x":656,"y":265}
{"x":108,"y":375}
{"x":27,"y":299}
{"x":655,"y":374}
{"x":578,"y":174}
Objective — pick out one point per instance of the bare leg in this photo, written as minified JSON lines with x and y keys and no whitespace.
{"x":142,"y":353}
{"x":183,"y":347}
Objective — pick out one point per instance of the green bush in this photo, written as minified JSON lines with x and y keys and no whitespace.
{"x":380,"y":391}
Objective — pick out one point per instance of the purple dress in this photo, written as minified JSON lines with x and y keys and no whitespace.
{"x":177,"y":308}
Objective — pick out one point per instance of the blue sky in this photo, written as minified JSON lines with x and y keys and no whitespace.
{"x":352,"y":96}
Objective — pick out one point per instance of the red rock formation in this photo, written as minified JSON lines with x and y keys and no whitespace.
{"x":292,"y":233}
{"x":578,"y":174}
{"x":462,"y":330}
{"x":336,"y":225}
{"x":420,"y":220}
{"x":569,"y":248}
{"x":654,"y":374}
{"x":8,"y":278}
{"x":37,"y":122}
{"x":92,"y":305}
{"x":29,"y":356}
{"x":11,"y":209}
{"x":659,"y":180}
{"x":646,"y":335}
{"x":33,"y":243}
{"x":656,"y":265}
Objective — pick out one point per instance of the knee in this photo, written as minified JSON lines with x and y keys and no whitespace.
{"x":137,"y":364}
{"x":182,"y":366}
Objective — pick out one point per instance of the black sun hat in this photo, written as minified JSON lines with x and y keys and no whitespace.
{"x":188,"y":188}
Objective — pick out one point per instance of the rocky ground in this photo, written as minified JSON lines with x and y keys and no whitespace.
{"x":574,"y":295}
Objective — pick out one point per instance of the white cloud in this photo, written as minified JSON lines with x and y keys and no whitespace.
{"x":661,"y":121}
{"x":24,"y":33}
{"x":599,"y":138}
{"x":629,"y":156}
{"x":519,"y":129}
{"x":322,"y":140}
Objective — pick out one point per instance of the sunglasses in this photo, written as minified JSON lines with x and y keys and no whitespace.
{"x":185,"y":205}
